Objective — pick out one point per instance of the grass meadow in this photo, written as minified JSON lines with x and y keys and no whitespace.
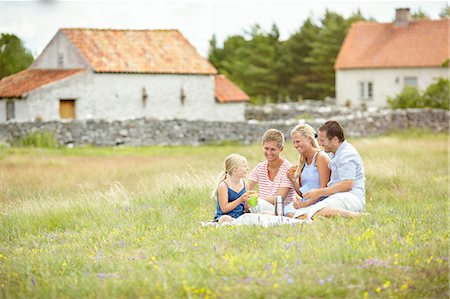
{"x":125,"y":223}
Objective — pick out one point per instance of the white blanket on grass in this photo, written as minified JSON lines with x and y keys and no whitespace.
{"x":260,"y":220}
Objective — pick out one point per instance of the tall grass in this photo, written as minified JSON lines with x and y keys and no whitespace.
{"x":102,"y":223}
{"x":43,"y":139}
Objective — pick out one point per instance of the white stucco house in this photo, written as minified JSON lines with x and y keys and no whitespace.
{"x":377,"y":60}
{"x":120,"y":74}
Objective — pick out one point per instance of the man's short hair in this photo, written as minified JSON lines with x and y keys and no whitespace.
{"x":333,"y":128}
{"x":274,"y":135}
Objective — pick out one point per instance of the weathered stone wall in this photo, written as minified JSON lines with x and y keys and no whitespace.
{"x":140,"y":132}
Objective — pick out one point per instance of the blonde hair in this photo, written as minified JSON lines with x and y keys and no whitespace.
{"x":307,"y":132}
{"x":274,"y":135}
{"x":232,"y":162}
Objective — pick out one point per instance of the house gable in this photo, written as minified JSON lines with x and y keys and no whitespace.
{"x":60,"y":53}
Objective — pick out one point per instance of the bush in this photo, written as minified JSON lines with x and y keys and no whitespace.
{"x":435,"y":96}
{"x":409,"y":98}
{"x":38,"y":139}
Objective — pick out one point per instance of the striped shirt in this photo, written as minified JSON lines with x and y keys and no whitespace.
{"x":268,"y":188}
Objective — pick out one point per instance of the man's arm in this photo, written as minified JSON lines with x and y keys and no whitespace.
{"x":343,"y":186}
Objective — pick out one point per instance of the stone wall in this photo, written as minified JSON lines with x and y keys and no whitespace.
{"x":140,"y":132}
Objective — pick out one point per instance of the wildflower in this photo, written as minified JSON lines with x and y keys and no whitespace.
{"x":386,"y":284}
{"x":275,"y":285}
{"x":378,"y":290}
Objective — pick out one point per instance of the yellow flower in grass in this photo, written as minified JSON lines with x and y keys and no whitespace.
{"x":386,"y":284}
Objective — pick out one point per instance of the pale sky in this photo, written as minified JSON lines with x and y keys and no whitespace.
{"x":36,"y":22}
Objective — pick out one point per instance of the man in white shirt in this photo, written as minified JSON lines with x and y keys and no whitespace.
{"x":345,"y":191}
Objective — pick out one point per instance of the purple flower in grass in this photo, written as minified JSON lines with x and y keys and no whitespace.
{"x":33,"y":281}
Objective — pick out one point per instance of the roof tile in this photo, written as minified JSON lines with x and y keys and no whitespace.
{"x":16,"y":85}
{"x":226,"y":91}
{"x":422,"y":43}
{"x":139,"y":51}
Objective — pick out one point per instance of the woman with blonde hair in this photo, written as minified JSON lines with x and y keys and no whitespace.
{"x":312,"y":171}
{"x":231,"y":192}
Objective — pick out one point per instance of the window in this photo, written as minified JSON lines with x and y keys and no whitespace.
{"x":60,"y":59}
{"x":10,"y":110}
{"x":366,"y":90}
{"x":410,"y":81}
{"x":182,"y":96}
{"x":67,"y":109}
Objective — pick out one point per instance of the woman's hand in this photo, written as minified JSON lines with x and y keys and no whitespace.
{"x":291,"y":173}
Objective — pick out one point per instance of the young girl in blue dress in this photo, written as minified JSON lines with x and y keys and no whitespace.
{"x":231,"y":194}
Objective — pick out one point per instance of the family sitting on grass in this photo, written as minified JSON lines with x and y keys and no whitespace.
{"x":318,"y":186}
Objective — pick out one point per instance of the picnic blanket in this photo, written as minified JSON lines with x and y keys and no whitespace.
{"x":260,"y":220}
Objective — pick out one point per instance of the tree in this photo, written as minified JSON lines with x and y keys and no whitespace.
{"x":445,"y":12}
{"x":324,"y":52}
{"x":13,"y":55}
{"x":420,"y":15}
{"x":296,"y":49}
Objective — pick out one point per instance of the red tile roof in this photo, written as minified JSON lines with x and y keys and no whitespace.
{"x":138,"y":51}
{"x":226,"y":91}
{"x":16,"y":85}
{"x":422,"y":43}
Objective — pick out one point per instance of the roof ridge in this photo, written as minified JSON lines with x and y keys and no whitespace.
{"x":111,"y":29}
{"x":391,"y":23}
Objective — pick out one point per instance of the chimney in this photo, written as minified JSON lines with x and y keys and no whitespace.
{"x":402,"y":17}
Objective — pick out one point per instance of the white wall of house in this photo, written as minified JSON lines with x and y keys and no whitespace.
{"x":386,"y":82}
{"x":20,"y":110}
{"x":163,"y":99}
{"x":3,"y":110}
{"x":121,"y":96}
{"x":60,"y":54}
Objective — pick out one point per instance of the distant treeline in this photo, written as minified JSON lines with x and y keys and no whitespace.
{"x":302,"y":67}
{"x":271,"y":70}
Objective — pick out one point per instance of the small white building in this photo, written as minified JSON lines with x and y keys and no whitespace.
{"x":120,"y":74}
{"x":377,"y":60}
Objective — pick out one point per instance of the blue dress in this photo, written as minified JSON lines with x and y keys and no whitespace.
{"x":232,"y":196}
{"x":310,"y":177}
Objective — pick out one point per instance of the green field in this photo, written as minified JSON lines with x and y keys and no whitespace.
{"x":125,"y":222}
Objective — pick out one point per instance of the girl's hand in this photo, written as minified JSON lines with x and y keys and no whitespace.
{"x":245,"y":197}
{"x":291,"y":173}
